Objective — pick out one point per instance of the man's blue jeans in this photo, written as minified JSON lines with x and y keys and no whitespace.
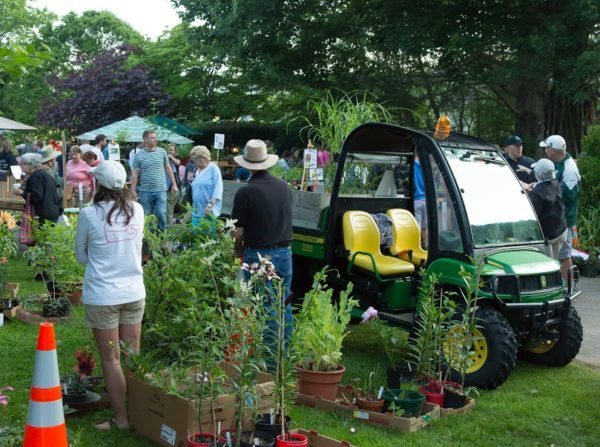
{"x":155,"y":203}
{"x":281,"y":257}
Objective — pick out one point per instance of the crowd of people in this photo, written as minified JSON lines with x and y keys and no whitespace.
{"x":553,"y":187}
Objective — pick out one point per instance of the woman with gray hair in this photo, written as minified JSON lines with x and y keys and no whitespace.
{"x":40,"y":189}
{"x":547,"y":202}
{"x":207,"y":187}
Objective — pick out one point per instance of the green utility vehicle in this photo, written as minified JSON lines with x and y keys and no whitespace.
{"x":476,"y":209}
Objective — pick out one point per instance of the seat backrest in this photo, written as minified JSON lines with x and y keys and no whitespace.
{"x":360,"y":232}
{"x":405,"y":231}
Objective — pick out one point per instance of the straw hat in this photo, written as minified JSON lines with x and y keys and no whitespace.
{"x":255,"y":156}
{"x":48,"y":153}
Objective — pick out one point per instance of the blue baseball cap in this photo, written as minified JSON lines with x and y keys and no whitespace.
{"x":513,"y":140}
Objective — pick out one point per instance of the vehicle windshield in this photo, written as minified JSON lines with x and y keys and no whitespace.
{"x":499,"y":212}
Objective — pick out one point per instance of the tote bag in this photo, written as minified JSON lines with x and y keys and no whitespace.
{"x":26,"y":228}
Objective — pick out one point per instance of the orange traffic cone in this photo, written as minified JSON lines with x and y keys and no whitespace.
{"x":46,"y":420}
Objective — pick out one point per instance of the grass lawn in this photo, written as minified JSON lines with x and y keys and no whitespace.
{"x":537,"y":406}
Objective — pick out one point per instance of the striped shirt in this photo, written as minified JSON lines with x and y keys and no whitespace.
{"x":206,"y":185}
{"x":152,"y":169}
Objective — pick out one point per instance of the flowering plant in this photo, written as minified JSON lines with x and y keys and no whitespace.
{"x":85,"y":363}
{"x":3,"y":397}
{"x":8,"y":243}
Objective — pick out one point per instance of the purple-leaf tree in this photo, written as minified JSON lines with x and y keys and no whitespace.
{"x":102,"y":92}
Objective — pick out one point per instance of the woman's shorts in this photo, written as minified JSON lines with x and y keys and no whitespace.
{"x":110,"y":317}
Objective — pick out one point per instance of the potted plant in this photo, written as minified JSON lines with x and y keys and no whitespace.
{"x":208,"y":376}
{"x":369,"y":398}
{"x":75,"y":387}
{"x":404,"y":403}
{"x":321,"y":327}
{"x":435,"y":312}
{"x":458,"y":345}
{"x":245,"y":317}
{"x":589,"y":241}
{"x":396,"y":347}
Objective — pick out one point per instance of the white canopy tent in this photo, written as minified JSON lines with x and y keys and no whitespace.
{"x":6,"y":124}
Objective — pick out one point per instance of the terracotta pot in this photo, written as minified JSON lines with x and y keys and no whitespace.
{"x":319,"y":383}
{"x":75,"y":297}
{"x":375,"y":406}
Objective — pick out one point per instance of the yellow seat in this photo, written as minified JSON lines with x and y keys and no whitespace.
{"x":361,"y":239}
{"x":407,"y":237}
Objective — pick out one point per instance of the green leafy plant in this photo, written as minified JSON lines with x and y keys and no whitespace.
{"x":589,"y":231}
{"x":53,"y":256}
{"x":321,"y":325}
{"x":434,"y":314}
{"x":395,"y":343}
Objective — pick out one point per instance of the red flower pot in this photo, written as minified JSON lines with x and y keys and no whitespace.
{"x":203,"y":440}
{"x":292,"y":440}
{"x":434,"y":393}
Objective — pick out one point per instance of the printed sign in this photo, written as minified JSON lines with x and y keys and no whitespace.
{"x":114,"y":152}
{"x":168,"y":434}
{"x":310,"y":158}
{"x":219,"y":141}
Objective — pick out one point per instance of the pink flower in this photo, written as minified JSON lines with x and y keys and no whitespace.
{"x":3,"y":397}
{"x":369,"y":314}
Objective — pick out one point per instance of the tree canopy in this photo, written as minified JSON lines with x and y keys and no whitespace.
{"x":105,"y":91}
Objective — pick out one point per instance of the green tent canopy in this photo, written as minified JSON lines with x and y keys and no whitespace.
{"x":175,"y":126}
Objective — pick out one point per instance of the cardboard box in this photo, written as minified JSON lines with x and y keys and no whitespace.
{"x":344,"y":407}
{"x":444,"y":412}
{"x":167,"y":419}
{"x":12,"y":312}
{"x":317,"y":440}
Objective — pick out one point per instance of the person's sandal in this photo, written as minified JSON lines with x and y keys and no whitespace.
{"x":108,"y":425}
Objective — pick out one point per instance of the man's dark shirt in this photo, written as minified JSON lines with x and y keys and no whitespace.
{"x":41,"y":189}
{"x":263,"y":208}
{"x":7,"y":160}
{"x":523,"y":161}
{"x":549,"y":208}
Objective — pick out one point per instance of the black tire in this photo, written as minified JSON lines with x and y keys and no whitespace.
{"x":501,"y":348}
{"x":570,"y":336}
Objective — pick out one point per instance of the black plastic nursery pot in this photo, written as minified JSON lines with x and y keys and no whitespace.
{"x":410,"y":401}
{"x":8,"y":303}
{"x":85,"y":397}
{"x":263,"y":424}
{"x":56,"y":307}
{"x":257,"y":438}
{"x":398,"y":374}
{"x":453,"y":399}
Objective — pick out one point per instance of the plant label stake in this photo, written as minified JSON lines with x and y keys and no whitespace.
{"x":272,"y":416}
{"x":228,"y":438}
{"x":380,"y":393}
{"x":219,"y":427}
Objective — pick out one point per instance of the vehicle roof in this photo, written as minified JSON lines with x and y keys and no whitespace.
{"x":462,"y":141}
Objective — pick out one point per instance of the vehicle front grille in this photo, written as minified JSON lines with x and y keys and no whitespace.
{"x":529,"y":283}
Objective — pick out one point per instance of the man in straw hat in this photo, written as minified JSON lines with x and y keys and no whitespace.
{"x":263,"y":209}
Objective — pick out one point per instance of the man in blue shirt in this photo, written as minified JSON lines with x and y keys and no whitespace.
{"x":419,"y":199}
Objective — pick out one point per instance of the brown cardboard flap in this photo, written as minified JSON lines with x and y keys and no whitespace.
{"x":317,"y":440}
{"x":445,"y":412}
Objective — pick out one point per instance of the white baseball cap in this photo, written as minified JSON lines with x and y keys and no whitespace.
{"x":555,"y":142}
{"x":110,"y":174}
